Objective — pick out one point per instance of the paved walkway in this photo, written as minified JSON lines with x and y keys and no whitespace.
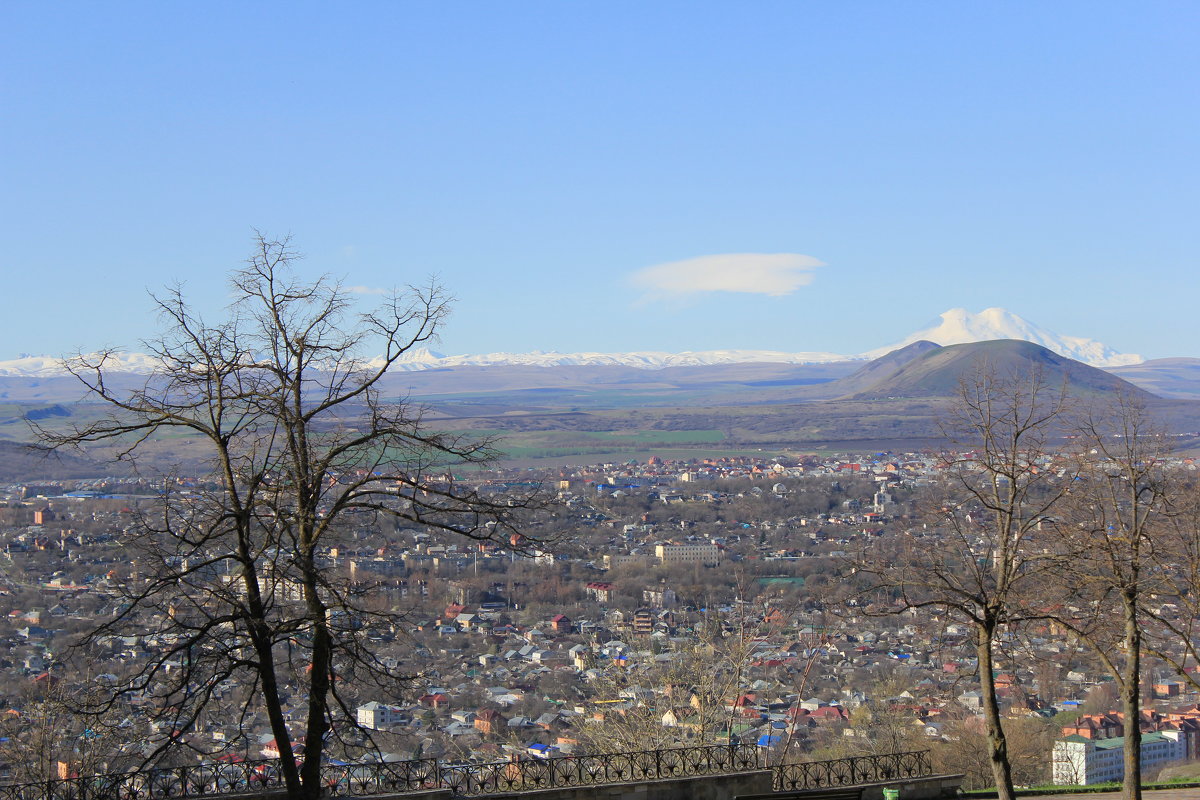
{"x":1148,"y":794}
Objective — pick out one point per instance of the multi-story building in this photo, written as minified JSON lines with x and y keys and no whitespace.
{"x":707,"y":554}
{"x":380,"y":716}
{"x":1082,"y":761}
{"x":600,"y":591}
{"x":660,"y":597}
{"x":622,"y":559}
{"x":643,"y":621}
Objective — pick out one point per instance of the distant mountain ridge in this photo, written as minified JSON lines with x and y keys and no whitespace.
{"x":894,"y":402}
{"x":1168,"y":377}
{"x":51,"y":366}
{"x":956,"y":326}
{"x":647,"y":359}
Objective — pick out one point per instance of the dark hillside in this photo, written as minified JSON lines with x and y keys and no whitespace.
{"x":21,"y":462}
{"x":937,"y":372}
{"x":880,"y":369}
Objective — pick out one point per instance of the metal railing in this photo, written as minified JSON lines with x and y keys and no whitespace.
{"x":852,"y":771}
{"x":232,"y":777}
{"x":473,"y":780}
{"x":517,"y":776}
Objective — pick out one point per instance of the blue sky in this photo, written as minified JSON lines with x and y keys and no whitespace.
{"x":543,"y":160}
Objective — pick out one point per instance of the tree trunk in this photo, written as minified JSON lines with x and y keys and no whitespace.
{"x":274,"y":708}
{"x":1131,"y":700}
{"x":997,"y":741}
{"x":318,"y":684}
{"x":264,"y":652}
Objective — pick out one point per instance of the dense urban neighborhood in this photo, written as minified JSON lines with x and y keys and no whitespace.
{"x":647,"y":604}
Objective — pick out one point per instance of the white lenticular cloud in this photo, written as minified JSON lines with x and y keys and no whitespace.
{"x":365,"y":290}
{"x":773,"y":274}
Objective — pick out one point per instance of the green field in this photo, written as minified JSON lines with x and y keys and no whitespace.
{"x":659,"y":437}
{"x":538,"y":445}
{"x":554,"y":458}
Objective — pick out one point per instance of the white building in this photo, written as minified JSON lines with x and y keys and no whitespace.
{"x":661,"y":597}
{"x":1082,"y":761}
{"x":379,"y":716}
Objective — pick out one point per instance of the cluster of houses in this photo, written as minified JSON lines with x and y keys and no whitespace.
{"x":498,"y":679}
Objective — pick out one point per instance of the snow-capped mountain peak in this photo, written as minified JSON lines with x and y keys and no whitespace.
{"x":420,"y":355}
{"x":959,"y":326}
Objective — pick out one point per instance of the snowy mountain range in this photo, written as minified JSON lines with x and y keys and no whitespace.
{"x":956,"y":326}
{"x":27,"y":366}
{"x":647,"y":359}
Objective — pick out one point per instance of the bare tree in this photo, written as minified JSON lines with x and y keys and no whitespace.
{"x":285,"y":394}
{"x":977,"y":561}
{"x":48,"y":740}
{"x":1173,"y":637}
{"x":965,"y":751}
{"x":686,"y":696}
{"x":1120,"y":556}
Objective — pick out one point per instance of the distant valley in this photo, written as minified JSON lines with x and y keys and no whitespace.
{"x":547,"y":407}
{"x":579,"y":413}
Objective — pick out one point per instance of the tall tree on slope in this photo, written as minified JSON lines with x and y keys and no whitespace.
{"x":286,"y":395}
{"x":975,"y":560}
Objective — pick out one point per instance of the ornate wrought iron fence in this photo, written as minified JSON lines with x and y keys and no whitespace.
{"x":515,"y":776}
{"x":851,"y":771}
{"x":386,"y":777}
{"x":472,"y":780}
{"x":173,"y":782}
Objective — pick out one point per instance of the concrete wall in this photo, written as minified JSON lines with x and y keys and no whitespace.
{"x":932,"y":787}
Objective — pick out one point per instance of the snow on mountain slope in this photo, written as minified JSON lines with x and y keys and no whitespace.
{"x":959,"y":326}
{"x":50,"y":366}
{"x":641,"y":359}
{"x":423,"y":359}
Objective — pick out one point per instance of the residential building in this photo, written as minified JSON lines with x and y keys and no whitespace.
{"x":601,"y":591}
{"x":1083,"y":761}
{"x":379,"y":716}
{"x":708,"y":554}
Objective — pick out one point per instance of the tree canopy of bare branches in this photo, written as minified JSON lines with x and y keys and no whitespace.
{"x":975,"y":560}
{"x":285,"y":394}
{"x":1120,"y":537}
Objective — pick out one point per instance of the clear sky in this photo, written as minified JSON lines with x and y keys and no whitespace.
{"x":551,"y":162}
